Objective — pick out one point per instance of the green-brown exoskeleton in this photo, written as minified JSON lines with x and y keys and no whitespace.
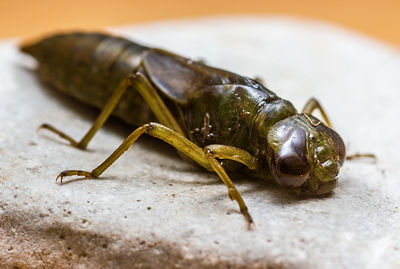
{"x":206,"y":113}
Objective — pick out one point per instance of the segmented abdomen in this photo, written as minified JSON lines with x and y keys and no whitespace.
{"x":89,"y":67}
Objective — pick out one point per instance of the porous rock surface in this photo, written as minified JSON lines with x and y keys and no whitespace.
{"x":152,"y":209}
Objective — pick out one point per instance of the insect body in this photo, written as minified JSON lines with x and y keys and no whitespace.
{"x":206,"y":113}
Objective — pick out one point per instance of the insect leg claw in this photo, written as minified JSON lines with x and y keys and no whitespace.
{"x":250,"y":222}
{"x":60,"y":176}
{"x":73,"y":173}
{"x":41,"y":126}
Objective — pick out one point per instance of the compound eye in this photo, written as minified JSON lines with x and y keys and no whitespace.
{"x":291,"y":166}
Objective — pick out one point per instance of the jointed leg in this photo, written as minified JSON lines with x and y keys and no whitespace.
{"x":105,"y":113}
{"x":154,"y":129}
{"x":226,"y":152}
{"x":313,"y":104}
{"x":205,"y":157}
{"x":143,"y":86}
{"x":361,"y":156}
{"x":232,"y":153}
{"x":156,"y":104}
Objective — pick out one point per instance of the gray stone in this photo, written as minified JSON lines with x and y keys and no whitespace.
{"x":152,"y":209}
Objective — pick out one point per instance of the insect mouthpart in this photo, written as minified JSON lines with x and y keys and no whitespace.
{"x":314,"y":187}
{"x":324,"y":178}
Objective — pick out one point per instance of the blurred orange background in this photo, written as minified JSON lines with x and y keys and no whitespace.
{"x":380,"y":19}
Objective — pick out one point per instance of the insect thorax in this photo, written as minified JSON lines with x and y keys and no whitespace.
{"x":235,"y":115}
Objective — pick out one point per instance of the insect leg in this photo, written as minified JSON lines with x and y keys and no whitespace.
{"x":153,"y":99}
{"x":361,"y":156}
{"x":234,"y":154}
{"x":105,"y":113}
{"x":204,"y":157}
{"x":313,"y":104}
{"x":212,"y":152}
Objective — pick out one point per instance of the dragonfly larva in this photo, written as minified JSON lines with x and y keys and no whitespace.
{"x":207,"y":114}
